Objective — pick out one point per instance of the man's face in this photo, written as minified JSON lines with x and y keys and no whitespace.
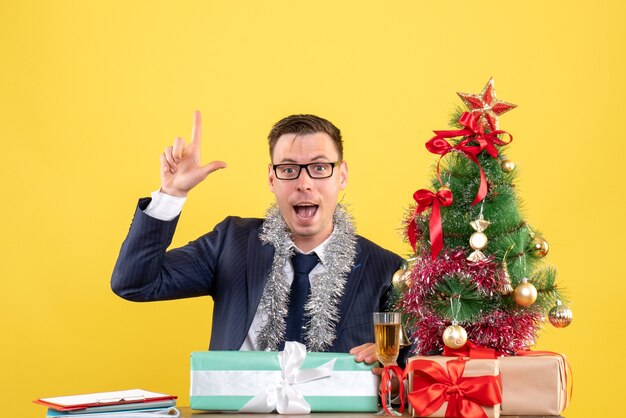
{"x":307,"y":204}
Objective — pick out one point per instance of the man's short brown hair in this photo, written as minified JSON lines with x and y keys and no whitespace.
{"x":303,"y":125}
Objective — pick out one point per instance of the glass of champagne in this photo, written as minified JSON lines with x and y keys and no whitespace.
{"x":387,"y":336}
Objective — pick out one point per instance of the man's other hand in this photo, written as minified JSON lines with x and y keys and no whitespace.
{"x":365,"y":353}
{"x":180,"y":164}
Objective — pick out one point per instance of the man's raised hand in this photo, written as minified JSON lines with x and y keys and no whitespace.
{"x":180,"y":164}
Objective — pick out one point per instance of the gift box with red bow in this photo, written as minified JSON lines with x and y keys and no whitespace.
{"x":540,"y":376}
{"x":454,"y":387}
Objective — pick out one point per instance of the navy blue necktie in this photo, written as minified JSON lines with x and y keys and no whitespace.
{"x":302,"y":266}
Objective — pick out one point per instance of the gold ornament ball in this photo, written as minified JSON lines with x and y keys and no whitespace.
{"x":525,"y":294}
{"x":454,"y":336}
{"x":399,"y":276}
{"x":560,"y":316}
{"x":478,"y":241}
{"x":444,"y":188}
{"x":539,"y":247}
{"x":507,"y":166}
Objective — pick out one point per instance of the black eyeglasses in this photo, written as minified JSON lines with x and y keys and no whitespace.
{"x":317,"y":170}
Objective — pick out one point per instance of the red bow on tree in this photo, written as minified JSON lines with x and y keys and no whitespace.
{"x":426,"y":199}
{"x":473,"y":131}
{"x":433,"y":385}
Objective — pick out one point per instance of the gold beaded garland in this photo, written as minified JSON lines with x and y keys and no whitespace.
{"x":525,"y":293}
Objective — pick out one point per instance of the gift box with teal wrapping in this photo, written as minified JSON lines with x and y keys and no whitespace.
{"x":291,"y":381}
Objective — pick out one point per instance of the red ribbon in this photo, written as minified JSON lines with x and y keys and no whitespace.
{"x":426,"y":199}
{"x":473,"y":131}
{"x":471,"y":350}
{"x":433,"y":386}
{"x":438,"y":145}
{"x":385,"y":386}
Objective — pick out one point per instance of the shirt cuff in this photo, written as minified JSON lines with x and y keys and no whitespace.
{"x":164,"y":206}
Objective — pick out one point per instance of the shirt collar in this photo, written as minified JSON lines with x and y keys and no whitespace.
{"x":320,"y":250}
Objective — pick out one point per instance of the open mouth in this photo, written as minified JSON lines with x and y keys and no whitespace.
{"x":305,"y":210}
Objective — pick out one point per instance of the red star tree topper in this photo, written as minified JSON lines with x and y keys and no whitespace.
{"x":486,"y":106}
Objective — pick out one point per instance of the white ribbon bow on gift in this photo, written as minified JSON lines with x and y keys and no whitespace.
{"x":284,"y":397}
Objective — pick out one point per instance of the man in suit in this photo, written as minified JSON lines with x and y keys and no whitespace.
{"x":252,"y":268}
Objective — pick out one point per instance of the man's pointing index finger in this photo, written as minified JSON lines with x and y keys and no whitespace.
{"x":196,"y":132}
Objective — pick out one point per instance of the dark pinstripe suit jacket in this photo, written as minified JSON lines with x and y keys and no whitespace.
{"x":231,"y":265}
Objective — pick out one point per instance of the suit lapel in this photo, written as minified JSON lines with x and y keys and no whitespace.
{"x":260,"y":259}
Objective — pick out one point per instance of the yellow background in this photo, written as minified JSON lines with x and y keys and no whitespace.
{"x":91,"y":93}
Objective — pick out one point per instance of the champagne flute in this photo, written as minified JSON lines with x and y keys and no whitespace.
{"x":387,"y":337}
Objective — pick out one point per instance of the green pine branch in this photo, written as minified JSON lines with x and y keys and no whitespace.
{"x":459,"y":293}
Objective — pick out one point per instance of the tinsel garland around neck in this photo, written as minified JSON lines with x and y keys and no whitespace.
{"x":322,"y":306}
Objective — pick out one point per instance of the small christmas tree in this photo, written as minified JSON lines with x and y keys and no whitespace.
{"x":476,"y":273}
